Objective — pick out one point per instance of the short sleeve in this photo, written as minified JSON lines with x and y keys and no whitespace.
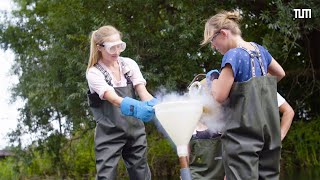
{"x":267,"y":56}
{"x":280,"y":100}
{"x":136,"y":75}
{"x":231,"y":57}
{"x":96,"y":82}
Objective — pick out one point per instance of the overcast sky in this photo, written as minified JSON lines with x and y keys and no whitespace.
{"x":8,"y":112}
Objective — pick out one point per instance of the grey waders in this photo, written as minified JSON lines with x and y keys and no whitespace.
{"x":117,"y":135}
{"x":251,"y":140}
{"x":205,"y":158}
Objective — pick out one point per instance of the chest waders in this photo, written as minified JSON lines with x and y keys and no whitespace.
{"x":205,"y":159}
{"x":251,"y":140}
{"x":117,"y":135}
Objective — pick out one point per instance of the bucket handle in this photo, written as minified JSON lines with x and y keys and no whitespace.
{"x":196,"y":78}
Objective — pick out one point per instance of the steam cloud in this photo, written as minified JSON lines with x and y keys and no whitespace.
{"x":213,"y":116}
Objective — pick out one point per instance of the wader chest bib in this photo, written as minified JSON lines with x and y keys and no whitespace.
{"x":251,"y":140}
{"x":117,"y":135}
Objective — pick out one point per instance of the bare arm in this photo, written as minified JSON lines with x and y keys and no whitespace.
{"x":221,"y":87}
{"x":143,"y":92}
{"x":276,"y":70}
{"x":113,"y":98}
{"x":116,"y":100}
{"x":286,"y":119}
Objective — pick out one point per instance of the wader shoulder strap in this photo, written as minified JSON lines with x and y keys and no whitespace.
{"x":93,"y":98}
{"x":259,"y":57}
{"x":107,"y":76}
{"x":252,"y":59}
{"x":126,"y":71}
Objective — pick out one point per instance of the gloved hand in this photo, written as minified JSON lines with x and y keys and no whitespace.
{"x":211,"y":75}
{"x":152,"y":102}
{"x":137,"y":109}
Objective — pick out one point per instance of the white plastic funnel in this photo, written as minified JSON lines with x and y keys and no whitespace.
{"x":179,"y":119}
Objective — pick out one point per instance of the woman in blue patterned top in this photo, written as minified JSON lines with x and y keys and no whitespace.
{"x":251,"y":138}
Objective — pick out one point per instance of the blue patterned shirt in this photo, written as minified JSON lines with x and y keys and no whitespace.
{"x":239,"y":60}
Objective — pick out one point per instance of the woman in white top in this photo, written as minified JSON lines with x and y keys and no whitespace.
{"x":113,"y":82}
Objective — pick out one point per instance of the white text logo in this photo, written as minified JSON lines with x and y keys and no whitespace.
{"x":302,"y":13}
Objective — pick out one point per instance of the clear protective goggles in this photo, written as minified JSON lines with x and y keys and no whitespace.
{"x":113,"y":47}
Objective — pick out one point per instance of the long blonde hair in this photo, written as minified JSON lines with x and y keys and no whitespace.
{"x":223,"y":20}
{"x":98,"y":37}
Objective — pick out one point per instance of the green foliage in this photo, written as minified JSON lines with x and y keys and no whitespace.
{"x":76,"y":156}
{"x":162,"y":158}
{"x":7,"y":169}
{"x":78,"y":160}
{"x":292,"y":42}
{"x":79,"y":156}
{"x":301,"y":147}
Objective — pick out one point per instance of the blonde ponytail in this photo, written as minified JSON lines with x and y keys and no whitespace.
{"x":94,"y":53}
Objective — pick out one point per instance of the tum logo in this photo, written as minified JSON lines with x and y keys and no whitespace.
{"x":302,"y":13}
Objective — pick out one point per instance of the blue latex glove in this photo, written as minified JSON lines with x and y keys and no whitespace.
{"x":152,"y":102}
{"x":211,"y":75}
{"x":137,"y":109}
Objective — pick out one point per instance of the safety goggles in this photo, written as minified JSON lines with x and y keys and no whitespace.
{"x":113,"y":47}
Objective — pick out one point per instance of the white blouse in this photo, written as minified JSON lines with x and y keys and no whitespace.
{"x":97,"y":83}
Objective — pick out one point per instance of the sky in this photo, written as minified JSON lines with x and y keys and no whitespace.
{"x":8,"y":111}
